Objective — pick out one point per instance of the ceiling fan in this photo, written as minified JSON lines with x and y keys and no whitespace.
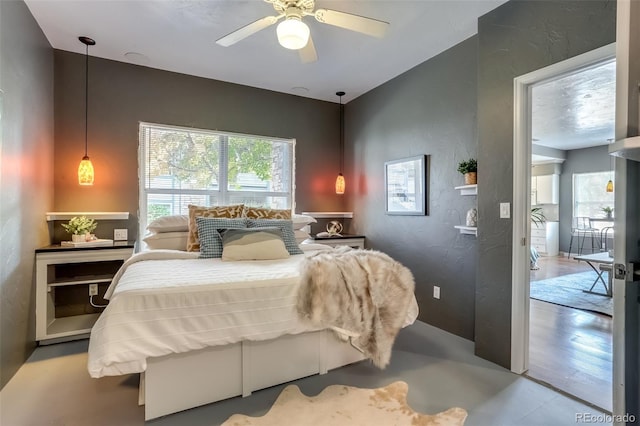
{"x":294,"y":34}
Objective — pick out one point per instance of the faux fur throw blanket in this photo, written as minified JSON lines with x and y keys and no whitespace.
{"x":365,"y":292}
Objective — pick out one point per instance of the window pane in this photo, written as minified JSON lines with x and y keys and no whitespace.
{"x":258,"y":165}
{"x":589,"y":194}
{"x":179,"y":159}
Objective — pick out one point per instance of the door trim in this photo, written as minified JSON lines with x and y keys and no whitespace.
{"x":522,"y":189}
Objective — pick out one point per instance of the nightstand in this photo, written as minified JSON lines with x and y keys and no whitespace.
{"x":63,"y":279}
{"x":354,"y":241}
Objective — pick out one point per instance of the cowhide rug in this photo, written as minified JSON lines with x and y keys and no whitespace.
{"x":340,"y":405}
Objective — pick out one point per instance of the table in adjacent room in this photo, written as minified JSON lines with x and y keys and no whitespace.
{"x":600,"y":262}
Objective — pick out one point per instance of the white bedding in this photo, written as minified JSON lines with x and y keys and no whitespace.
{"x":160,"y":304}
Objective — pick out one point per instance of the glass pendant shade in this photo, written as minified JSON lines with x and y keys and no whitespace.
{"x":340,"y":184}
{"x":292,"y":34}
{"x":610,"y":186}
{"x":85,"y":172}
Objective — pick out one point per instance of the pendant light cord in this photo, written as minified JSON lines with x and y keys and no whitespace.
{"x":86,"y":100}
{"x":341,"y":135}
{"x":341,"y":94}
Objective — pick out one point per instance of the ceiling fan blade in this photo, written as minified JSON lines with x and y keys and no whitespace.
{"x":368,"y":26}
{"x":308,"y":53}
{"x":247,"y":30}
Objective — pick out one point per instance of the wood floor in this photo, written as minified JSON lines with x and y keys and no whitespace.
{"x":570,"y":349}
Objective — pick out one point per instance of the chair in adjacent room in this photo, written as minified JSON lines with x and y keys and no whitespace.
{"x":582,"y":230}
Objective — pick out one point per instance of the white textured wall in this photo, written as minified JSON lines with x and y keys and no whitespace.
{"x":26,"y":175}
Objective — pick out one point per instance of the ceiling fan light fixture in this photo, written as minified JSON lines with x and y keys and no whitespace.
{"x":293,"y":33}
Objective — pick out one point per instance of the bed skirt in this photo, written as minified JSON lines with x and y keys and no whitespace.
{"x":178,"y":382}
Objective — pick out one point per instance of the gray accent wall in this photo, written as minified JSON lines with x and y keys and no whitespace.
{"x":26,"y":177}
{"x":594,"y":159}
{"x":430,"y":109}
{"x":122,"y":95}
{"x":514,"y":39}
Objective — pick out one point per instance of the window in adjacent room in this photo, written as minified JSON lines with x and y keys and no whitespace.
{"x":181,"y":166}
{"x":590,"y":196}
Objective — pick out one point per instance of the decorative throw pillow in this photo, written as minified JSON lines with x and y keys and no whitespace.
{"x":167,"y":240}
{"x":175,"y":223}
{"x":253,"y":244}
{"x":209,"y":229}
{"x":262,"y":213}
{"x":230,"y":212}
{"x":286,"y":227}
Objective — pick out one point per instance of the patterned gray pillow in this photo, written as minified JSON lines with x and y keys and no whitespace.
{"x":286,"y":226}
{"x":209,"y":234}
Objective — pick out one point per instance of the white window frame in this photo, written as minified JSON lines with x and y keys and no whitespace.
{"x":222,"y":193}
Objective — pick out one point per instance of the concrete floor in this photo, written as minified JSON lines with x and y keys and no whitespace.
{"x":54,"y":388}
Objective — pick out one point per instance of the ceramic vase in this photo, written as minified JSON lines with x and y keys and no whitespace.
{"x":472,"y":217}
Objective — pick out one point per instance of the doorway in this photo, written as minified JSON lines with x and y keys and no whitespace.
{"x":567,"y":347}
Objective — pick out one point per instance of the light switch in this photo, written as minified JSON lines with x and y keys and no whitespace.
{"x":505,"y":210}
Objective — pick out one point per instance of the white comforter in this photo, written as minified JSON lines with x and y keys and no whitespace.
{"x":164,"y":302}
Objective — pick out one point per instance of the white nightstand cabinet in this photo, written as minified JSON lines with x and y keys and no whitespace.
{"x":58,"y":268}
{"x":353,"y":241}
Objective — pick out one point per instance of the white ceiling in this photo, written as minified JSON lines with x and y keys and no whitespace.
{"x":576,"y":110}
{"x":180,"y":35}
{"x":571,"y":112}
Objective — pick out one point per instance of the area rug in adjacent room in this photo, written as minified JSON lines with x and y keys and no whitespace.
{"x":340,"y":405}
{"x":567,"y":290}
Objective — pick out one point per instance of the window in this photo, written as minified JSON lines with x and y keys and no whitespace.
{"x":181,"y":166}
{"x":589,"y":195}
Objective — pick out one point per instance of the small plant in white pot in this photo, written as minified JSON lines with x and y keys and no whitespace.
{"x":80,"y":228}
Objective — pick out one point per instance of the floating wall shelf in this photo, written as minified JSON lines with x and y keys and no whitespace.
{"x":91,"y":215}
{"x":470,"y":230}
{"x":468,"y":189}
{"x":329,"y":215}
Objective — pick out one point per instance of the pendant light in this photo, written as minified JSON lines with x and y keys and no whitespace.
{"x":340,"y":184}
{"x":85,"y":169}
{"x":609,"y":187}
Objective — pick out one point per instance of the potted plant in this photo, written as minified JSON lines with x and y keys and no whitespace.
{"x":80,"y":227}
{"x":469,"y":169}
{"x":537,"y":216}
{"x":608,"y":211}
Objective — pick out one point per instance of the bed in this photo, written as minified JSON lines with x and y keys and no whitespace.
{"x":199,"y":331}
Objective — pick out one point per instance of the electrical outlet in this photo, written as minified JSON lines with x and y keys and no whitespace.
{"x":93,"y":289}
{"x":436,"y":292}
{"x":120,"y":234}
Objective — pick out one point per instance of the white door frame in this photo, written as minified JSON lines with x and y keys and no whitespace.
{"x":522,"y":193}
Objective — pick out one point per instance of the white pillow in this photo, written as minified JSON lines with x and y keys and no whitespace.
{"x":300,"y":235}
{"x":176,"y":223}
{"x":301,"y":220}
{"x":167,"y":240}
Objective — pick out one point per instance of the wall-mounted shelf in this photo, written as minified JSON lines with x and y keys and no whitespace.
{"x":468,"y":189}
{"x":329,"y":215}
{"x":470,"y":230}
{"x":91,"y":215}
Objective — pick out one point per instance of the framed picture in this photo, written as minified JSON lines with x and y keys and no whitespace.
{"x":405,"y":182}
